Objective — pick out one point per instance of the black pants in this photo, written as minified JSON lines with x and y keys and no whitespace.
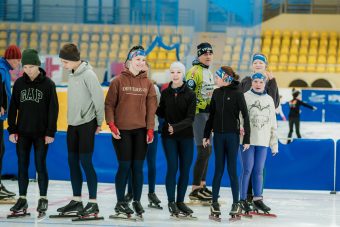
{"x":201,"y":164}
{"x":24,"y":146}
{"x":131,"y":151}
{"x":294,"y":121}
{"x":80,"y":145}
{"x":2,"y":145}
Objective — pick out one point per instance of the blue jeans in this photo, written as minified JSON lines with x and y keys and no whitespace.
{"x":226,"y":149}
{"x":177,"y":150}
{"x":253,"y":161}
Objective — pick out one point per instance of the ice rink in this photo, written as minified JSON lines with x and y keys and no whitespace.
{"x":293,"y":208}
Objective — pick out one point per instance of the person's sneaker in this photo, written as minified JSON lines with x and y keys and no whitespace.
{"x":198,"y":194}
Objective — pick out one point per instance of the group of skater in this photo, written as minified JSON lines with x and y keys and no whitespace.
{"x":198,"y":107}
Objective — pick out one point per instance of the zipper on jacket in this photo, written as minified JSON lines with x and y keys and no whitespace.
{"x":223,"y":111}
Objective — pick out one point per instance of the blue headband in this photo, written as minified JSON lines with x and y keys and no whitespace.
{"x":136,"y":53}
{"x":221,"y":74}
{"x":258,"y":76}
{"x":260,"y":57}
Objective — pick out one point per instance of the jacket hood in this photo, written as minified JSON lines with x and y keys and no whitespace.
{"x":128,"y":73}
{"x":41,"y":77}
{"x":197,"y":62}
{"x":5,"y":63}
{"x":233,"y":86}
{"x":84,"y":66}
{"x":180,"y":89}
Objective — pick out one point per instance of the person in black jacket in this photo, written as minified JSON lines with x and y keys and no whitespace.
{"x":32,"y":120}
{"x":260,"y":65}
{"x":226,"y":104}
{"x":177,"y":107}
{"x":294,"y":114}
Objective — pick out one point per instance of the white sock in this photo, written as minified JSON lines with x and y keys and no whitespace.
{"x":22,"y":196}
{"x":43,"y":197}
{"x":92,"y":200}
{"x":77,"y":198}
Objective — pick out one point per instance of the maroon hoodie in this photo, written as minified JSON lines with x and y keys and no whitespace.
{"x":131,"y":101}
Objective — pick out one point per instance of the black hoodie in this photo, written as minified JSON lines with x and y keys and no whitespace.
{"x":34,"y":107}
{"x":226,"y":104}
{"x":177,"y":107}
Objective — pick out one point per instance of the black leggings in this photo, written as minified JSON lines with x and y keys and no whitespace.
{"x":201,"y":164}
{"x":294,"y":121}
{"x":24,"y":146}
{"x":2,"y":145}
{"x":80,"y":145}
{"x":131,"y":150}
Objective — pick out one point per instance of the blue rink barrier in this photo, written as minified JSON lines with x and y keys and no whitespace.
{"x":303,"y":164}
{"x":337,"y":178}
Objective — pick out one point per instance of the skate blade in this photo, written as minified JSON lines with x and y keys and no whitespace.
{"x":247,"y":215}
{"x":215,"y":218}
{"x":64,"y":216}
{"x":41,"y":215}
{"x":263,"y":214}
{"x":8,"y":200}
{"x":124,"y":217}
{"x":88,"y":218}
{"x":18,"y":215}
{"x":187,"y":217}
{"x":199,"y":202}
{"x":235,"y":218}
{"x":155,"y":207}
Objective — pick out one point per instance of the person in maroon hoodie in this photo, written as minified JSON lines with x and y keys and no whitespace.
{"x":130,"y":108}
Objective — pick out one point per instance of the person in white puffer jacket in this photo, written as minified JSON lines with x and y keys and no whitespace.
{"x":263,"y":128}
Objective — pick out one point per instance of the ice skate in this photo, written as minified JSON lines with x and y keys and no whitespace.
{"x":200,"y":197}
{"x":128,"y":197}
{"x":154,"y":201}
{"x":19,"y":209}
{"x":261,"y":209}
{"x":6,"y":197}
{"x":215,"y":212}
{"x":42,"y":208}
{"x":138,"y":208}
{"x":89,"y":213}
{"x":235,"y":212}
{"x":123,"y":212}
{"x":185,"y":212}
{"x":71,"y":210}
{"x":173,"y":209}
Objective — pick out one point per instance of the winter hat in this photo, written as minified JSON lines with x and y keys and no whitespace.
{"x":12,"y":52}
{"x":258,"y":76}
{"x":178,"y":65}
{"x":204,"y":48}
{"x":69,"y":52}
{"x":224,"y":76}
{"x":30,"y":57}
{"x":260,"y":57}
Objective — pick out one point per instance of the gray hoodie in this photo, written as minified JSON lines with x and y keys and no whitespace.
{"x":85,"y":97}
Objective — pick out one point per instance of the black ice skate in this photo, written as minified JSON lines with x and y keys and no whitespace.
{"x":246,"y":209}
{"x":235,"y":212}
{"x":71,"y":210}
{"x":19,"y":209}
{"x":215,"y":212}
{"x":124,"y":212}
{"x":199,"y":196}
{"x":137,"y":207}
{"x":89,"y":213}
{"x":173,"y":209}
{"x":260,"y":206}
{"x":42,"y":207}
{"x":154,"y":201}
{"x":184,"y":211}
{"x":6,"y":197}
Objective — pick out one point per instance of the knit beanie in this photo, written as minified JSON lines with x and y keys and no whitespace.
{"x":30,"y":57}
{"x":178,"y":65}
{"x":12,"y":52}
{"x":204,"y":48}
{"x":69,"y":52}
{"x":260,"y":57}
{"x":258,"y":76}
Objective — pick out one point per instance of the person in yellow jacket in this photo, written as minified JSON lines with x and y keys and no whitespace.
{"x":201,"y":80}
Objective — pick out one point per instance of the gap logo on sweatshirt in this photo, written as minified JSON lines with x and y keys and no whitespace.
{"x":31,"y":94}
{"x":259,"y":116}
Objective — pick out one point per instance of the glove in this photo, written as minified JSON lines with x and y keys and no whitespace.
{"x":114,"y":129}
{"x":149,"y":136}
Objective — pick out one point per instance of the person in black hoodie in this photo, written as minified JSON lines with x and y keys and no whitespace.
{"x":177,"y":107}
{"x":226,"y":104}
{"x":32,"y":120}
{"x":294,"y":114}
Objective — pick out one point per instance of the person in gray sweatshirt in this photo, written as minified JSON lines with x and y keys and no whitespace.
{"x":85,"y":114}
